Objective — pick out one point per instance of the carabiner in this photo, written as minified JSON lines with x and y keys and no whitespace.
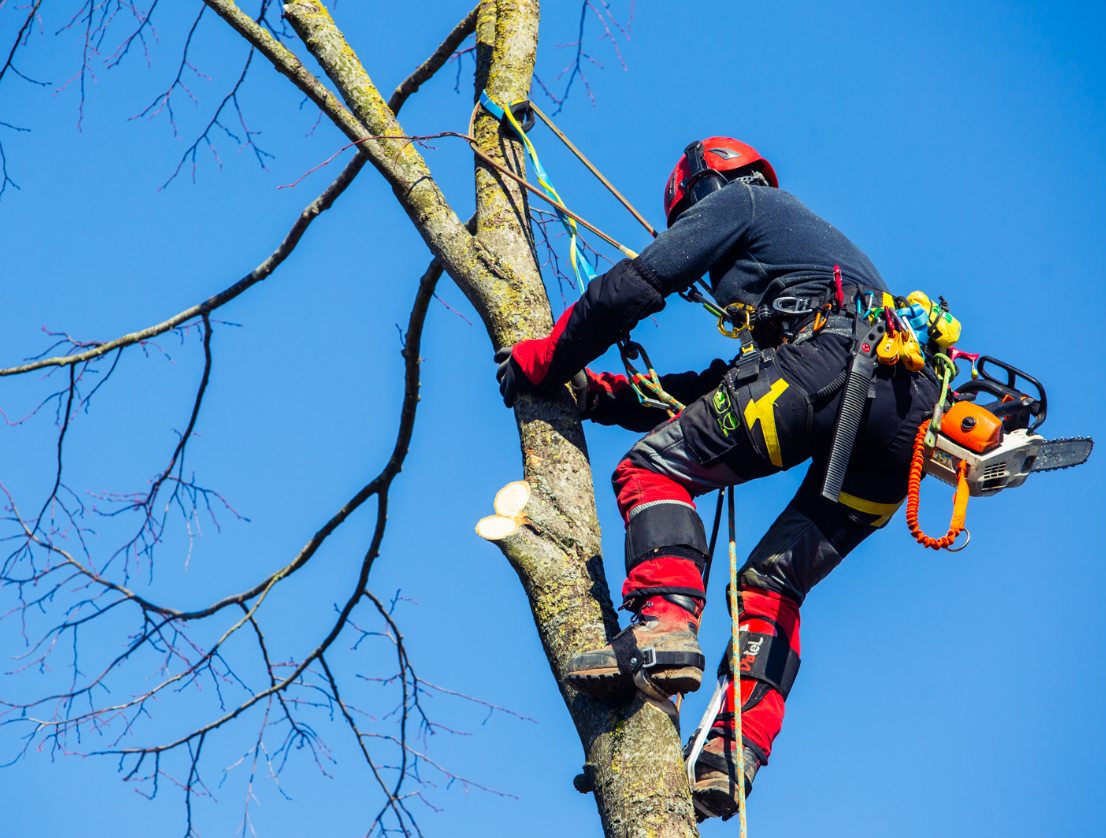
{"x":955,"y":354}
{"x":731,"y":316}
{"x":694,"y":295}
{"x":790,"y":306}
{"x":821,"y":317}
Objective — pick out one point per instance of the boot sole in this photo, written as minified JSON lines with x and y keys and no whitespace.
{"x":610,"y":683}
{"x":715,"y":796}
{"x":715,"y":802}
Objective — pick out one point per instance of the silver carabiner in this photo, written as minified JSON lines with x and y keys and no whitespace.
{"x":792,"y":306}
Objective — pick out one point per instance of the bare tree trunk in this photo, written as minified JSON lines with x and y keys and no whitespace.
{"x":634,"y":750}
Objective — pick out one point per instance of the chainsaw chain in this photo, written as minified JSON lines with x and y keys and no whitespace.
{"x":1066,"y":439}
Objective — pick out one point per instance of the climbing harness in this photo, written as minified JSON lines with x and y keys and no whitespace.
{"x":913,"y":331}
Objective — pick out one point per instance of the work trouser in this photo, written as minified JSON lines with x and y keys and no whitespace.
{"x":770,"y":422}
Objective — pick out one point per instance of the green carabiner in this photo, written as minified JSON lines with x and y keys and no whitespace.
{"x":948,"y":372}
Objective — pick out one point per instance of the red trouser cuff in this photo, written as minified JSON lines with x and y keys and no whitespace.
{"x":666,"y":574}
{"x":634,"y":485}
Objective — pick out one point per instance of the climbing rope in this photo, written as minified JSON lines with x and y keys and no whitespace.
{"x":593,"y":170}
{"x":581,"y":268}
{"x":735,"y":619}
{"x":959,"y":501}
{"x":739,"y":318}
{"x":631,"y":351}
{"x":580,"y":265}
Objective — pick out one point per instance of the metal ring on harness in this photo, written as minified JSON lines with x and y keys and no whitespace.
{"x":734,"y":318}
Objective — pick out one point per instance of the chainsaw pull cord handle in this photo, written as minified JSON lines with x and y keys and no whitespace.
{"x":959,"y":501}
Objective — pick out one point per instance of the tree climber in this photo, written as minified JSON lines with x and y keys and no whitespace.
{"x":797,"y":280}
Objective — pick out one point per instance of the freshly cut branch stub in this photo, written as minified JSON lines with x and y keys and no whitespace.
{"x":509,"y":502}
{"x":511,"y":498}
{"x":495,"y":527}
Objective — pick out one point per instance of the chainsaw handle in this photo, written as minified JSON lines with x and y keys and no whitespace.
{"x":1010,"y":403}
{"x":1011,"y":383}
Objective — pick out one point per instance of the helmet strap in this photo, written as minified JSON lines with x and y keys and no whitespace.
{"x":754,"y":178}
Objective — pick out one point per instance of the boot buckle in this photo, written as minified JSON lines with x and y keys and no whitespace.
{"x":648,"y":658}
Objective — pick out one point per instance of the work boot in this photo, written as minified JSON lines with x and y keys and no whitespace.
{"x":658,"y":654}
{"x":768,"y":662}
{"x":715,"y":790}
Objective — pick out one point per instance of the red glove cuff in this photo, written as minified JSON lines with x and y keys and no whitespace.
{"x":535,"y":356}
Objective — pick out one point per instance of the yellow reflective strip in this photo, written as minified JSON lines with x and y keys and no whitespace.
{"x":762,"y":409}
{"x":870,"y":507}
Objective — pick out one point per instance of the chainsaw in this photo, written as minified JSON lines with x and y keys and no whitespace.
{"x":998,"y":441}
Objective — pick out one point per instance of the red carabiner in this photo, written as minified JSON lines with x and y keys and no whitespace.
{"x":955,"y":353}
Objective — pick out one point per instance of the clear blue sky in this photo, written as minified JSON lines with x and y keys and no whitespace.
{"x":960,"y":145}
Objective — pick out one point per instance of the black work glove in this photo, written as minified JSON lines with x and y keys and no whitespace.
{"x":579,"y":385}
{"x":512,"y":381}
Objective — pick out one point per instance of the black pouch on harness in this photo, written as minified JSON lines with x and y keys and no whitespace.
{"x":775,"y":413}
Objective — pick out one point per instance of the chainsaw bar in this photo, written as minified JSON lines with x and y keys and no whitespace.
{"x":1063,"y":453}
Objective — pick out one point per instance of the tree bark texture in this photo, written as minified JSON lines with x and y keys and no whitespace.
{"x":633,"y":750}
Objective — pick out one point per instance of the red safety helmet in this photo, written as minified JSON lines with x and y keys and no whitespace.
{"x":722,"y":154}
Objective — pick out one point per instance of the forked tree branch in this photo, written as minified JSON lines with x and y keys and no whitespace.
{"x":639,"y":786}
{"x":329,"y":195}
{"x":435,"y":62}
{"x":161,"y":621}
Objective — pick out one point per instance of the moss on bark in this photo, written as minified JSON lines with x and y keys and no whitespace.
{"x":639,"y":784}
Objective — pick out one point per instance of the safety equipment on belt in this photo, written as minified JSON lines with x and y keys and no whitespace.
{"x":703,"y":169}
{"x":861,"y":371}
